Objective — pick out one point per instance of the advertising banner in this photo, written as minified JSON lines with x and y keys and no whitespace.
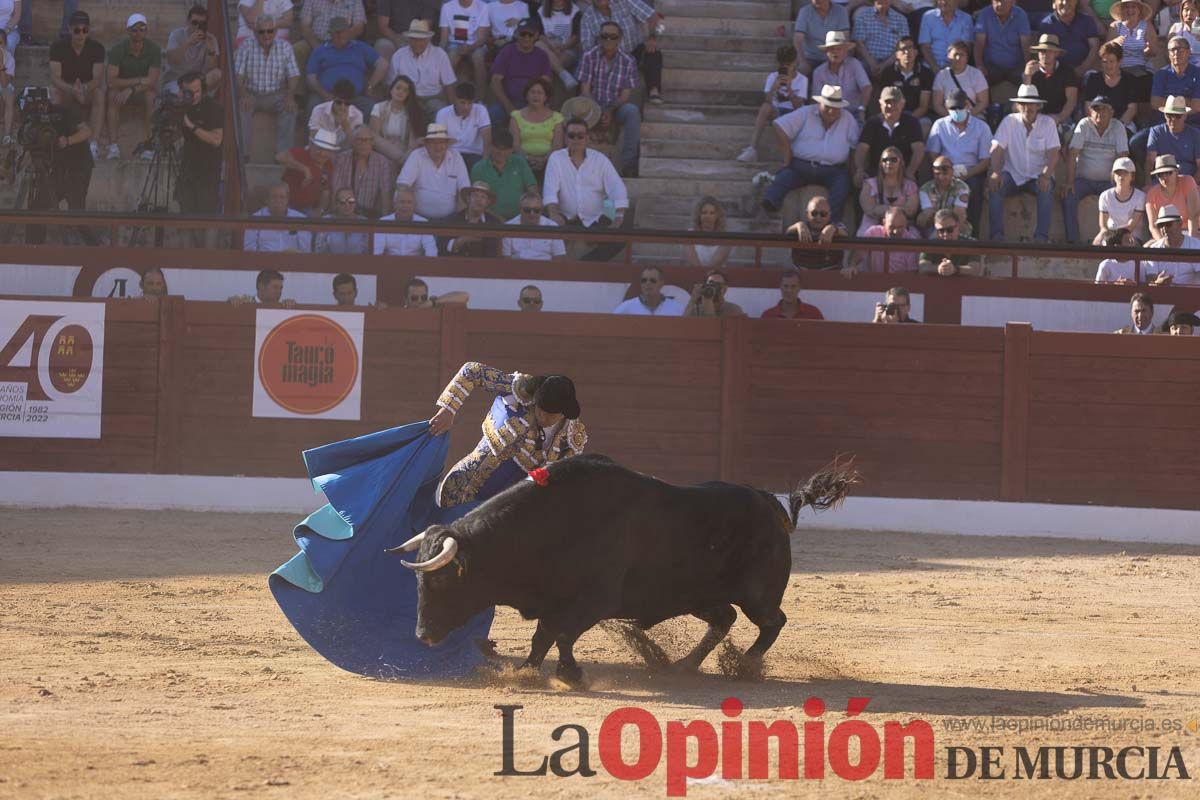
{"x":308,"y":364}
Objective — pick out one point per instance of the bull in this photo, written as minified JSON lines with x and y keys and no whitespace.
{"x":600,"y":542}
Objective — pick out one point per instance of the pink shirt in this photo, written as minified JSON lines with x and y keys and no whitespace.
{"x":897,"y":261}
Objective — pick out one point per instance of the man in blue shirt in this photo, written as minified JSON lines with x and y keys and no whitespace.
{"x":967,"y":141}
{"x":1174,"y":137}
{"x":1179,"y":77}
{"x":1077,"y":33}
{"x":942,"y":27}
{"x":344,"y":58}
{"x":1001,"y":41}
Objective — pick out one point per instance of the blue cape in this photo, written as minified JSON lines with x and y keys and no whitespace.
{"x":356,"y":605}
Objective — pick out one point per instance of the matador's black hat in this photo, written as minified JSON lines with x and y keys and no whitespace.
{"x":556,"y":394}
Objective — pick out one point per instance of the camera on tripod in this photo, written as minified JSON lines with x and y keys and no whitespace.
{"x":166,"y":124}
{"x":40,"y":127}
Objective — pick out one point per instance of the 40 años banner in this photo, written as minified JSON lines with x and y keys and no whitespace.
{"x":308,"y":364}
{"x":51,"y":369}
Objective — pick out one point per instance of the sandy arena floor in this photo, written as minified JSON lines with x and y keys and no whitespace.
{"x":142,"y":656}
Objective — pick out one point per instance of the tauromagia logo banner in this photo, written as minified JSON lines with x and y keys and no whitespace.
{"x":308,"y":364}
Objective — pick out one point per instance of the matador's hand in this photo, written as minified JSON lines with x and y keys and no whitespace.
{"x":442,"y":421}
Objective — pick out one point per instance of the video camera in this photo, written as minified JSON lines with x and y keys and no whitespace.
{"x":710,"y":290}
{"x":166,"y":124}
{"x":41,"y":124}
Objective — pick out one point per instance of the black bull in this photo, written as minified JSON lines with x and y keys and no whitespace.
{"x":604,"y":542}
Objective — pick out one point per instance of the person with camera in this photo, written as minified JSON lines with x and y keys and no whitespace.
{"x":894,"y":308}
{"x":56,"y":138}
{"x":77,"y":74}
{"x":708,"y":298}
{"x":134,"y":69}
{"x":202,"y":123}
{"x":191,"y":49}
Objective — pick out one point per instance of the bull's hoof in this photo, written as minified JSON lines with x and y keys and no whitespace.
{"x":529,"y":666}
{"x":571,"y":675}
{"x":684,"y":666}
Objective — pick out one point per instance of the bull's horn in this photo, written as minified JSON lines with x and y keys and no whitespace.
{"x":409,"y":546}
{"x":449,"y":548}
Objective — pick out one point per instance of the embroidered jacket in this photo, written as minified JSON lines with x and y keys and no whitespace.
{"x":512,"y":442}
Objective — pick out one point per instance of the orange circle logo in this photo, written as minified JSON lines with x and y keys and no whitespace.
{"x":308,"y":364}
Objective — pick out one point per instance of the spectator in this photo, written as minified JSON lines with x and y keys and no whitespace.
{"x":707,"y":217}
{"x":404,"y":201}
{"x":308,"y":172}
{"x":844,"y":70}
{"x":345,"y":289}
{"x":877,"y":29}
{"x":651,"y":302}
{"x":428,"y":66}
{"x":436,"y":173}
{"x":1113,"y":83}
{"x":278,"y":241}
{"x":1174,"y":137}
{"x":281,"y":11}
{"x":76,"y":77}
{"x":416,"y":295}
{"x":892,"y":128}
{"x":71,"y":167}
{"x":816,"y":142}
{"x":816,"y":228}
{"x":942,"y":27}
{"x":790,"y":306}
{"x":1024,"y":154}
{"x":133,"y":72}
{"x":944,"y":193}
{"x":344,"y":59}
{"x":1076,"y":32}
{"x":398,"y":121}
{"x":367,"y":174}
{"x":895,"y":307}
{"x":536,"y":129}
{"x":468,"y":124}
{"x":1131,"y":26}
{"x":267,"y":78}
{"x":191,"y":49}
{"x":946,"y":228}
{"x":1181,"y":323}
{"x":342,"y":243}
{"x":1111,"y":270}
{"x":1141,"y":314}
{"x":268,"y":291}
{"x":533,"y":249}
{"x":1173,"y":189}
{"x":1123,"y":206}
{"x":393,"y":18}
{"x":785,"y":91}
{"x":338,"y":116}
{"x":152,"y":282}
{"x":636,"y":23}
{"x":316,"y":23}
{"x":515,"y":68}
{"x":530,"y":298}
{"x":503,"y":18}
{"x":609,"y":76}
{"x":509,"y":175}
{"x":966,"y":140}
{"x":578,"y":183}
{"x":1189,"y":12}
{"x":958,"y":75}
{"x":708,"y":298}
{"x":1096,"y":143}
{"x":465,"y":32}
{"x":814,"y":23}
{"x":1170,"y":235}
{"x":1056,"y":85}
{"x":1180,"y":78}
{"x":201,"y":157}
{"x":894,"y":226}
{"x":560,"y":21}
{"x":914,"y":79}
{"x":1002,"y":36}
{"x":890,"y":188}
{"x":476,"y":200}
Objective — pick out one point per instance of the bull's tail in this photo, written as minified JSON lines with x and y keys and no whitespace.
{"x":826,"y":489}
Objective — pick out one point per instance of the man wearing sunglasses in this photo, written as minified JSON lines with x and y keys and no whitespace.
{"x":191,"y":49}
{"x":342,"y":242}
{"x":530,"y":298}
{"x":578,"y":182}
{"x":533,"y":249}
{"x":946,"y":228}
{"x":516,"y":65}
{"x":609,"y":76}
{"x":650,"y":301}
{"x":77,"y":74}
{"x":134,"y":70}
{"x":267,"y":77}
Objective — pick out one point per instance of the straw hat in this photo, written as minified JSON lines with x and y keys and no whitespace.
{"x":1146,"y":11}
{"x":835,"y":39}
{"x":478,"y":186}
{"x":1028,"y":93}
{"x":1048,"y":41}
{"x":1165,"y":163}
{"x":831,"y":96}
{"x":1167,"y":213}
{"x":1175,"y":104}
{"x":585,"y":108}
{"x":437,"y":133}
{"x":325,"y":140}
{"x":419,"y":29}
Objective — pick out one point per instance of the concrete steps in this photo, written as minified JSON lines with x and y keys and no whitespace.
{"x":773,"y":10}
{"x":724,"y":43}
{"x":707,"y":79}
{"x":728,"y":26}
{"x":703,"y":115}
{"x":759,"y":62}
{"x":721,"y":151}
{"x":699,"y":169}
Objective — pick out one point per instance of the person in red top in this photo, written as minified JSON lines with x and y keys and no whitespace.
{"x":308,"y":172}
{"x":790,"y":306}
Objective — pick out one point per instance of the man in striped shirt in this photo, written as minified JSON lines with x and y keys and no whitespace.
{"x":267,"y":77}
{"x":609,"y":76}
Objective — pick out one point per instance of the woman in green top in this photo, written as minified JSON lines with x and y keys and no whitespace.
{"x":536,"y":129}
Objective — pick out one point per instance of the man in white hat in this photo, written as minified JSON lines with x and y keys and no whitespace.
{"x":394,"y":17}
{"x":308,"y":172}
{"x":477,"y":200}
{"x":1097,"y":142}
{"x":1169,"y":223}
{"x":1024,"y":153}
{"x":427,"y":65}
{"x":1173,"y":137}
{"x":134,"y":69}
{"x":844,"y":70}
{"x":817,"y":140}
{"x":436,"y":173}
{"x":814,"y":22}
{"x":1056,"y":83}
{"x":942,"y":27}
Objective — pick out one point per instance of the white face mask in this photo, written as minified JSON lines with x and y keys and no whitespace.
{"x":958,"y":114}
